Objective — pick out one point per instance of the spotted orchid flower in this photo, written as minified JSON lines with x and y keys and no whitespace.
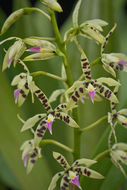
{"x":23,"y":82}
{"x":114,"y":61}
{"x":13,"y":54}
{"x":47,"y":120}
{"x":44,"y":49}
{"x":71,"y":173}
{"x":118,"y":155}
{"x":30,"y":153}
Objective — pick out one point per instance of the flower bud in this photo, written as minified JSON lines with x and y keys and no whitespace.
{"x":52,"y":4}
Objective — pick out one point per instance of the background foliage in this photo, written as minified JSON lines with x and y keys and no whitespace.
{"x":12,"y":171}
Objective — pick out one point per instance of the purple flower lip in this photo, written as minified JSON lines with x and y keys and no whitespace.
{"x":16,"y":94}
{"x":49,"y":125}
{"x":10,"y":60}
{"x":123,"y":62}
{"x":35,"y":49}
{"x":25,"y":159}
{"x":75,"y":181}
{"x":92,"y":93}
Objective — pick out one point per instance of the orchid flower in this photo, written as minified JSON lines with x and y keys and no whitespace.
{"x":114,"y":61}
{"x":30,"y":153}
{"x":91,"y":86}
{"x":46,"y":122}
{"x":43,"y":48}
{"x":13,"y":53}
{"x":71,"y":173}
{"x":23,"y":82}
{"x":118,"y":155}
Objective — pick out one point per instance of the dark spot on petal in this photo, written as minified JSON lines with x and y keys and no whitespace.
{"x":74,"y":98}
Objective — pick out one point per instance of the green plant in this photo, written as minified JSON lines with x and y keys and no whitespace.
{"x":85,"y":87}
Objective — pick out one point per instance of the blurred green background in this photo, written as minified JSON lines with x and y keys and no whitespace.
{"x":12,"y":171}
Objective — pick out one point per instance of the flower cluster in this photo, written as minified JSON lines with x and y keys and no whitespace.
{"x":71,"y":173}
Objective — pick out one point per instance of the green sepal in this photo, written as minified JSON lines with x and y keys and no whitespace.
{"x":61,"y":160}
{"x":32,"y":121}
{"x":40,"y":132}
{"x":64,"y":183}
{"x":106,"y":39}
{"x":88,"y":172}
{"x":92,"y":33}
{"x":97,"y":23}
{"x":108,"y":81}
{"x":55,"y":95}
{"x":76,"y":13}
{"x":22,"y":97}
{"x":54,"y":180}
{"x":84,"y":161}
{"x":109,"y":69}
{"x":42,"y":97}
{"x":52,"y":4}
{"x":123,"y":111}
{"x":66,"y":118}
{"x":19,"y":53}
{"x":86,"y":67}
{"x":39,"y":56}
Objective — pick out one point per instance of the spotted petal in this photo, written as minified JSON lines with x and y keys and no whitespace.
{"x":84,"y":161}
{"x":106,"y":93}
{"x":42,"y":97}
{"x":66,"y":118}
{"x":88,"y":172}
{"x":108,"y":81}
{"x":86,"y":67}
{"x":109,"y":69}
{"x":32,"y":121}
{"x":40,"y":132}
{"x":65,"y":183}
{"x":61,"y":160}
{"x":54,"y":180}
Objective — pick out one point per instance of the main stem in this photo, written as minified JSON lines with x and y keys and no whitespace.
{"x":69,"y":82}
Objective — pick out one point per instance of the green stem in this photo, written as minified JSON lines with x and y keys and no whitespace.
{"x":102,"y":154}
{"x":62,"y":48}
{"x":94,"y":124}
{"x":50,"y":141}
{"x":69,"y":82}
{"x":77,"y":136}
{"x":38,"y":73}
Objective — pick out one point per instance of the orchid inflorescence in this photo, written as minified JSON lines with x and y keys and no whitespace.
{"x":86,"y":87}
